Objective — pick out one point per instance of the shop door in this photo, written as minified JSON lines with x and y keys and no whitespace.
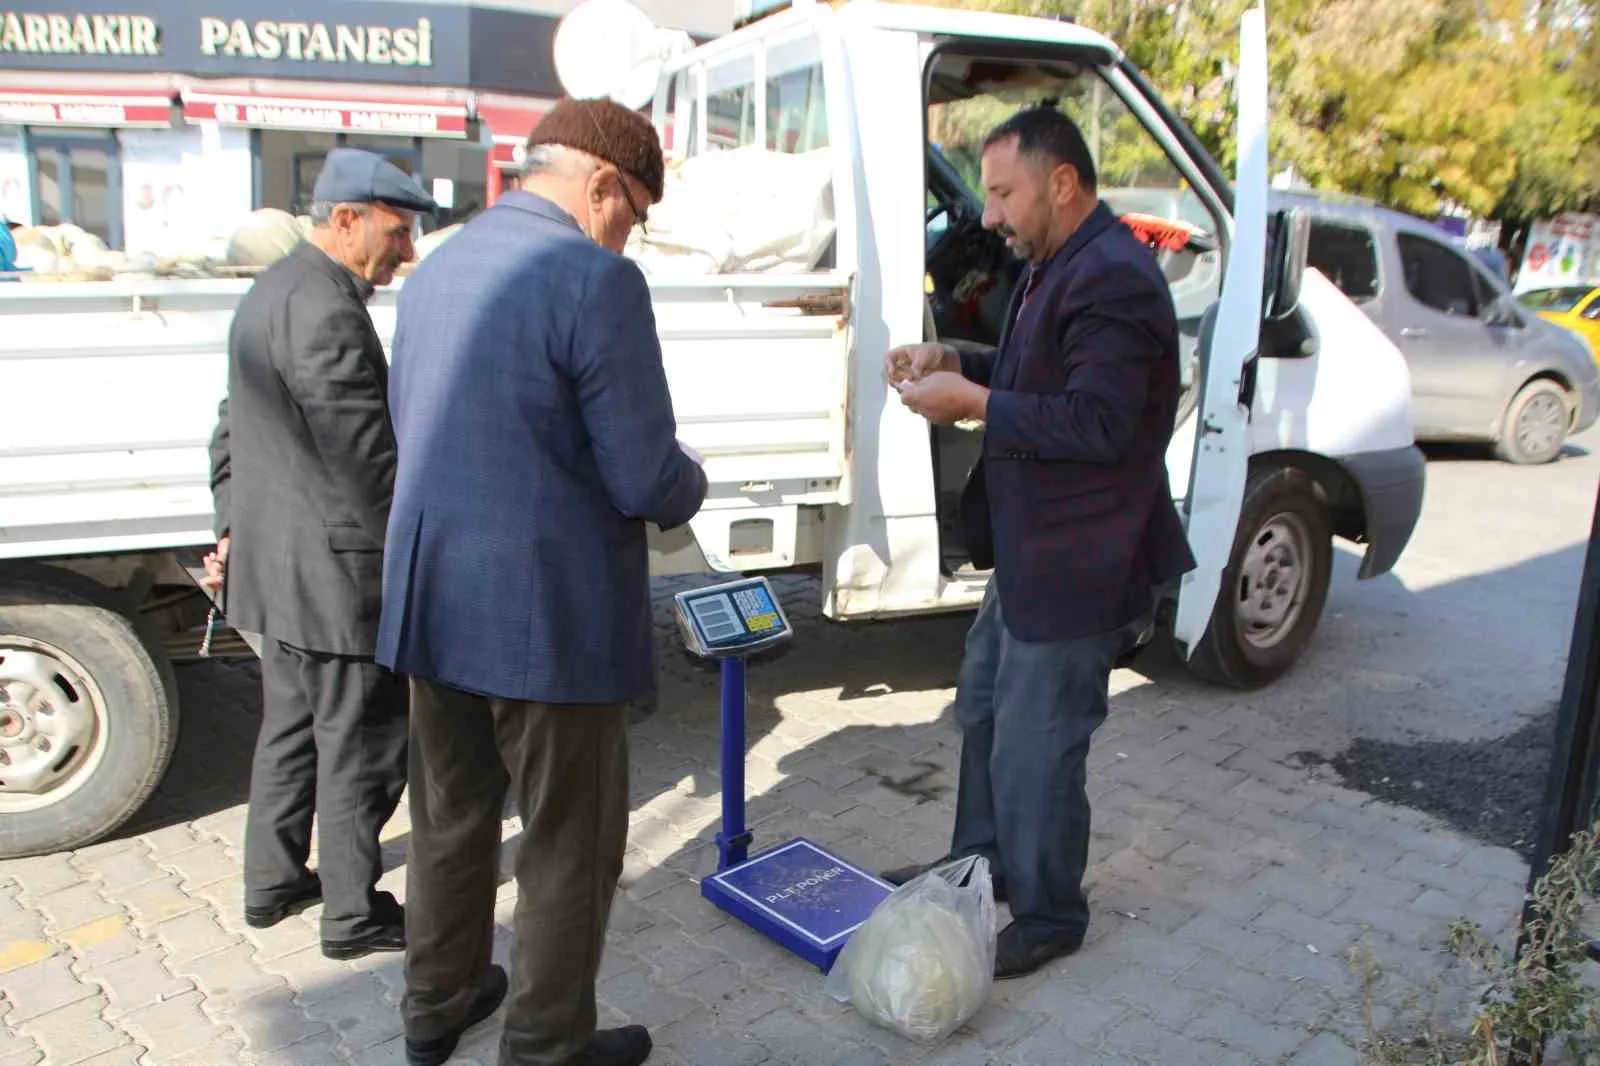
{"x":77,"y":178}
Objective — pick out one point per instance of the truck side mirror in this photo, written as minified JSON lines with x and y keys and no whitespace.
{"x":1288,"y":241}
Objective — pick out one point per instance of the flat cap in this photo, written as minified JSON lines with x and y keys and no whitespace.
{"x":354,"y":176}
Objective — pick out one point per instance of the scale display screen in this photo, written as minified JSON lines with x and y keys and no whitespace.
{"x":734,"y":618}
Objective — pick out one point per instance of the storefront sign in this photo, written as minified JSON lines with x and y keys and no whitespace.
{"x":68,"y":34}
{"x":393,"y":41}
{"x":509,"y":122}
{"x":408,"y":120}
{"x":319,"y":42}
{"x":495,"y":46}
{"x":67,"y":109}
{"x":1561,"y":251}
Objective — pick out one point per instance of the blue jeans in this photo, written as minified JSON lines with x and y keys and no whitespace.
{"x":1027,"y":711}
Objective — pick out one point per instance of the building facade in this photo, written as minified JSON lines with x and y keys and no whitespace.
{"x":157,"y":123}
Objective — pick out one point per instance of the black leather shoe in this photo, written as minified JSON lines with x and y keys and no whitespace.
{"x":438,"y":1050}
{"x":903,"y":874}
{"x":1019,"y":951}
{"x":307,"y":894}
{"x":387,"y":933}
{"x":628,"y":1046}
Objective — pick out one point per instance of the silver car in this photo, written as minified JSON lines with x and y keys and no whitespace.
{"x":1483,"y":368}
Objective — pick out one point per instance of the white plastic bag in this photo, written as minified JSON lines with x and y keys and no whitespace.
{"x":923,"y":963}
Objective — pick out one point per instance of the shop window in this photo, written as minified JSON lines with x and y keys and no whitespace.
{"x":77,"y":178}
{"x":456,"y":174}
{"x":290,"y":163}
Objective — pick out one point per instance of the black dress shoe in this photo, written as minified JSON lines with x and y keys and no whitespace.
{"x":628,"y":1046}
{"x":438,"y":1050}
{"x":307,"y":894}
{"x":903,"y":874}
{"x":1019,"y":950}
{"x":387,"y":933}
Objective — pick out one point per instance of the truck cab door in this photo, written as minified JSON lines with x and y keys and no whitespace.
{"x":1221,"y":449}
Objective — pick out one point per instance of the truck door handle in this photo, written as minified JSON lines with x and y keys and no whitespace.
{"x":1413,"y":331}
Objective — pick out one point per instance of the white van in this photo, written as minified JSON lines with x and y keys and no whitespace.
{"x":1295,"y":426}
{"x":1306,"y":420}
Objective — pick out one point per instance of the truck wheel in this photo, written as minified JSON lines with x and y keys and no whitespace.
{"x":1274,"y":586}
{"x":1536,"y":424}
{"x":88,"y":714}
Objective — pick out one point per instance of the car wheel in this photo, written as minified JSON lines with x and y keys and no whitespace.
{"x":1536,"y":424}
{"x":88,"y":713}
{"x":1274,"y":586}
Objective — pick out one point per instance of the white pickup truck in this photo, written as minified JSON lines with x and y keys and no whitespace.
{"x":1295,"y":427}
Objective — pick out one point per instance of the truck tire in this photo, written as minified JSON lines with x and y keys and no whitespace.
{"x":1275,"y":583}
{"x":1536,"y":423}
{"x":88,"y":713}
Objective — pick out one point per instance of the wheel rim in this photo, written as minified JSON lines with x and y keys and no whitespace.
{"x":1273,"y":581}
{"x":1542,"y":424}
{"x":52,"y":725}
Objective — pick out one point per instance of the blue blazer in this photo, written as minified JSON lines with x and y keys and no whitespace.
{"x":536,"y":438}
{"x":1070,"y":502}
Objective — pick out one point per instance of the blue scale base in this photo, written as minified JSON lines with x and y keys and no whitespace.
{"x":807,"y":899}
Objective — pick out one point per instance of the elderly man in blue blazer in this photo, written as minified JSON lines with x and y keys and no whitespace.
{"x":536,"y":440}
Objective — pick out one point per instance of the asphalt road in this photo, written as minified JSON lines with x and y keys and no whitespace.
{"x":1435,"y":686}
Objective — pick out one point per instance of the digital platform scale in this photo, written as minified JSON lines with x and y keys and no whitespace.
{"x":802,"y":896}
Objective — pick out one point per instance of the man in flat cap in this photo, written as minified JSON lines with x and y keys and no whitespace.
{"x":302,"y":473}
{"x":537,"y":440}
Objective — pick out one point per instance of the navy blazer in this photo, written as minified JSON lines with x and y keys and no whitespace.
{"x":536,"y":438}
{"x":1070,"y":501}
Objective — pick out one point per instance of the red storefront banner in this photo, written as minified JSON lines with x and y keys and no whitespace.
{"x":73,"y":107}
{"x":395,"y":118}
{"x":510,"y":121}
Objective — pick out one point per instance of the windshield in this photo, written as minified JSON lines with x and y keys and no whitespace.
{"x":968,"y":96}
{"x":1136,"y":176}
{"x":1558,"y":300}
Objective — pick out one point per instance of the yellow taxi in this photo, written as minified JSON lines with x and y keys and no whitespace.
{"x":1576,"y":307}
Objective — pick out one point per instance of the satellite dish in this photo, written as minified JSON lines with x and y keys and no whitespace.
{"x":611,"y":48}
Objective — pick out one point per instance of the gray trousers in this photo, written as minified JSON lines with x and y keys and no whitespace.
{"x":1027,"y":711}
{"x":332,"y":743}
{"x":567,"y":768}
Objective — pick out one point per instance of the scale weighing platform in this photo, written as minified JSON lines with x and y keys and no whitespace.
{"x":798,"y":894}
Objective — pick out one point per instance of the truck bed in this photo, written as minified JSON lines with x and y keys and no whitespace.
{"x":112,"y":391}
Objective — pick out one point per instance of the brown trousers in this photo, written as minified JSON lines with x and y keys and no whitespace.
{"x":567,"y":767}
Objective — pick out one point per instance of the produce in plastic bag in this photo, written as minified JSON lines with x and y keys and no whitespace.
{"x":922,"y":964}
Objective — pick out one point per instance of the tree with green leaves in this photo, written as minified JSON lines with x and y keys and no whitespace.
{"x":1493,"y":105}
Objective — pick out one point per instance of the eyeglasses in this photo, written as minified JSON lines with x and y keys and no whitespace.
{"x":639,"y":217}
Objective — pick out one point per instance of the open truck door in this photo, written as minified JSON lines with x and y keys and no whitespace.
{"x":1222,"y":440}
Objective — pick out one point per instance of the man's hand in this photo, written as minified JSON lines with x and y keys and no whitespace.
{"x":913,"y":362}
{"x":944,"y":398}
{"x":216,"y":562}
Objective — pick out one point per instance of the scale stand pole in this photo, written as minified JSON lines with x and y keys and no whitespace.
{"x":733,"y":843}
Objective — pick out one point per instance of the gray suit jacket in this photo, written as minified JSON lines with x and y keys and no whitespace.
{"x":536,"y":440}
{"x":303,"y":458}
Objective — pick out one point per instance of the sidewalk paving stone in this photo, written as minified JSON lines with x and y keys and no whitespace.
{"x":1219,"y":862}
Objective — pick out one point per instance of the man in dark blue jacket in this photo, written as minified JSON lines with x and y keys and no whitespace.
{"x":536,"y":440}
{"x":1070,"y":505}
